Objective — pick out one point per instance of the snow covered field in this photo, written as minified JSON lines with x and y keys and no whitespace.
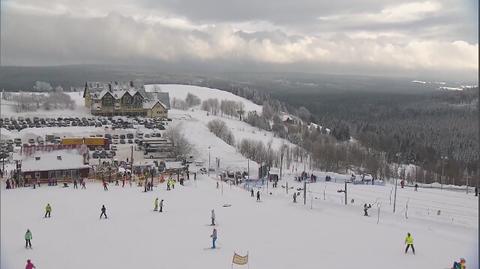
{"x":181,"y":91}
{"x":323,"y":233}
{"x":275,"y":232}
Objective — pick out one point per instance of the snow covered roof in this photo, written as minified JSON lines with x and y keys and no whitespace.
{"x":151,"y":104}
{"x":55,"y":160}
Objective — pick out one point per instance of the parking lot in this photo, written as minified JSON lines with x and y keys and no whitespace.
{"x":122,"y":133}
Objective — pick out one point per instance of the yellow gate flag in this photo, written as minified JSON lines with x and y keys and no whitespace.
{"x":240,"y":260}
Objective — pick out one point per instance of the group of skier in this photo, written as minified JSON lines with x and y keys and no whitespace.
{"x":158,"y":206}
{"x":252,"y":194}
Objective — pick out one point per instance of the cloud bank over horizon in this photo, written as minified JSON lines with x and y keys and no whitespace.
{"x":436,"y":37}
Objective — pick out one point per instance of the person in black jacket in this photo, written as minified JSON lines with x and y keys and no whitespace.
{"x":104,"y":212}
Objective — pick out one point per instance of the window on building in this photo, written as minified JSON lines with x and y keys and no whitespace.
{"x":108,"y":100}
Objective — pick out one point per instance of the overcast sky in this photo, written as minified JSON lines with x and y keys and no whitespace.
{"x":435,"y":37}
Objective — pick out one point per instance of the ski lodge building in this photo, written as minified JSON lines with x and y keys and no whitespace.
{"x":125,"y":99}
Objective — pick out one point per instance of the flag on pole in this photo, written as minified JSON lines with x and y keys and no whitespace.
{"x":240,"y":260}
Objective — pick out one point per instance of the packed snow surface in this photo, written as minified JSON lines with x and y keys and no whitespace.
{"x":276,"y":232}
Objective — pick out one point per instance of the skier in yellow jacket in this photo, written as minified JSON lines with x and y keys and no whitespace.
{"x":409,"y":242}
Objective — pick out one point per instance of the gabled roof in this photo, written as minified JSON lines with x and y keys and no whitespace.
{"x":151,"y":104}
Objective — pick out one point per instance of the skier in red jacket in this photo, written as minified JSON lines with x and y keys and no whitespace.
{"x":29,"y":265}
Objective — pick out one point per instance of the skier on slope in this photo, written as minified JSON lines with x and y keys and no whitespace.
{"x":28,"y":238}
{"x":104,"y":212}
{"x":252,"y":193}
{"x":29,"y":265}
{"x":105,"y":185}
{"x":214,"y":237}
{"x":294,"y":197}
{"x":365,"y":209}
{"x":258,"y":196}
{"x":161,"y":206}
{"x":409,"y":243}
{"x":48,"y":210}
{"x":213,"y":217}
{"x":155,"y":204}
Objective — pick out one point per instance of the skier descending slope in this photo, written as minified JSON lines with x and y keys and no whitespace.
{"x":28,"y":238}
{"x":409,"y":242}
{"x":258,"y":196}
{"x":214,"y":237}
{"x":104,"y":212}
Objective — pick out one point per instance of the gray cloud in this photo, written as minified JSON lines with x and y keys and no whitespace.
{"x":402,"y":37}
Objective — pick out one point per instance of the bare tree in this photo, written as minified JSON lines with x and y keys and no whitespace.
{"x":181,"y":146}
{"x":221,"y":130}
{"x":192,"y":100}
{"x":211,"y":105}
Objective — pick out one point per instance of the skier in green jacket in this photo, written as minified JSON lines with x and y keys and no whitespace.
{"x":48,"y":210}
{"x":28,"y":237}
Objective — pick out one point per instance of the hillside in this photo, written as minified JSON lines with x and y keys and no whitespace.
{"x":275,"y":232}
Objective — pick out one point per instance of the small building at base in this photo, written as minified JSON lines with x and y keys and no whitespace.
{"x":61,"y":165}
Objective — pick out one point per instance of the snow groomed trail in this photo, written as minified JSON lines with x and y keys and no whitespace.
{"x":275,"y":232}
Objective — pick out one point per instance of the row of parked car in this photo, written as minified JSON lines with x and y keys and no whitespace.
{"x":21,"y":123}
{"x":7,"y":146}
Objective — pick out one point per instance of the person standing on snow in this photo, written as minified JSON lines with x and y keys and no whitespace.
{"x":252,"y":193}
{"x":29,"y":265}
{"x":409,"y":242}
{"x":214,"y":237}
{"x":104,"y":212}
{"x":155,"y":204}
{"x":75,"y":184}
{"x":48,"y":211}
{"x":294,"y":197}
{"x":213,"y":217}
{"x":161,"y":206}
{"x":28,"y":238}
{"x":258,"y":196}
{"x":365,"y":209}
{"x":105,"y":184}
{"x":416,"y":187}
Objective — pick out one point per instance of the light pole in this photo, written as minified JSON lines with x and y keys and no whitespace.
{"x":208,"y":161}
{"x":396,"y":179}
{"x":443,"y":170}
{"x":248,"y":168}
